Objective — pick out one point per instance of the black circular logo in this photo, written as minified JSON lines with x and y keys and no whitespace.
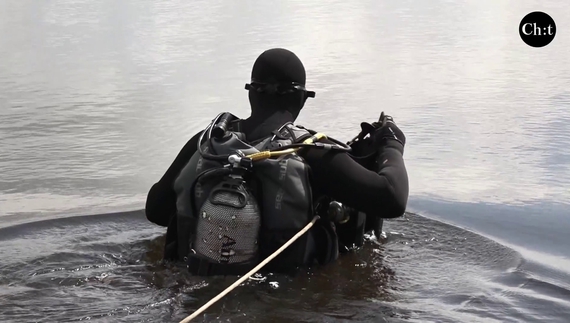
{"x":537,"y":29}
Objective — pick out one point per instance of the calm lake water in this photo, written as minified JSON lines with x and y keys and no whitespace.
{"x":98,"y":97}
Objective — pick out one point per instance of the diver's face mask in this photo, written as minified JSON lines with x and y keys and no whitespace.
{"x":279,"y":88}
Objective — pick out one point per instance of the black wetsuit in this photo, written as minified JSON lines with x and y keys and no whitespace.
{"x":382,"y":192}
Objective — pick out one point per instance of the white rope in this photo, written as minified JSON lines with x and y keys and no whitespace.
{"x":251,"y":272}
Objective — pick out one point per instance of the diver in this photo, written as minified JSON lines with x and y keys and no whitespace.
{"x":366,"y":176}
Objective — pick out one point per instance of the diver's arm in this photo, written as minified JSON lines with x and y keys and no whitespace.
{"x":161,"y":199}
{"x":383,"y":193}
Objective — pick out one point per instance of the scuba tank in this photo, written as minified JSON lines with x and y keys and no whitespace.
{"x":225,"y":211}
{"x":228,"y":223}
{"x":229,"y":219}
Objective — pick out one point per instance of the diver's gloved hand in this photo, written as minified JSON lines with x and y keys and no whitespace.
{"x":387,"y":133}
{"x":373,"y":137}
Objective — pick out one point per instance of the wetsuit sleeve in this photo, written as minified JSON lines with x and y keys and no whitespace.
{"x":161,"y":199}
{"x":383,"y":193}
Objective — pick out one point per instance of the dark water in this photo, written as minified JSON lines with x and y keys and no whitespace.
{"x":97,"y":98}
{"x":107,"y":268}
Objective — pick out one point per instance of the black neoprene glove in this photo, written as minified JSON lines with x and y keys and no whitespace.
{"x":388,"y":134}
{"x":374,"y":137}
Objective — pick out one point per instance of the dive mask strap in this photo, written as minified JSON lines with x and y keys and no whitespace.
{"x":279,"y":88}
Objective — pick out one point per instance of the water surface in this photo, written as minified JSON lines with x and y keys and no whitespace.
{"x":97,"y":98}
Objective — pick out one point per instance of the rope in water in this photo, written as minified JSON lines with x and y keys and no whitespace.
{"x":251,"y":272}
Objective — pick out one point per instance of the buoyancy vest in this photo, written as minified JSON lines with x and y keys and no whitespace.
{"x":229,"y":217}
